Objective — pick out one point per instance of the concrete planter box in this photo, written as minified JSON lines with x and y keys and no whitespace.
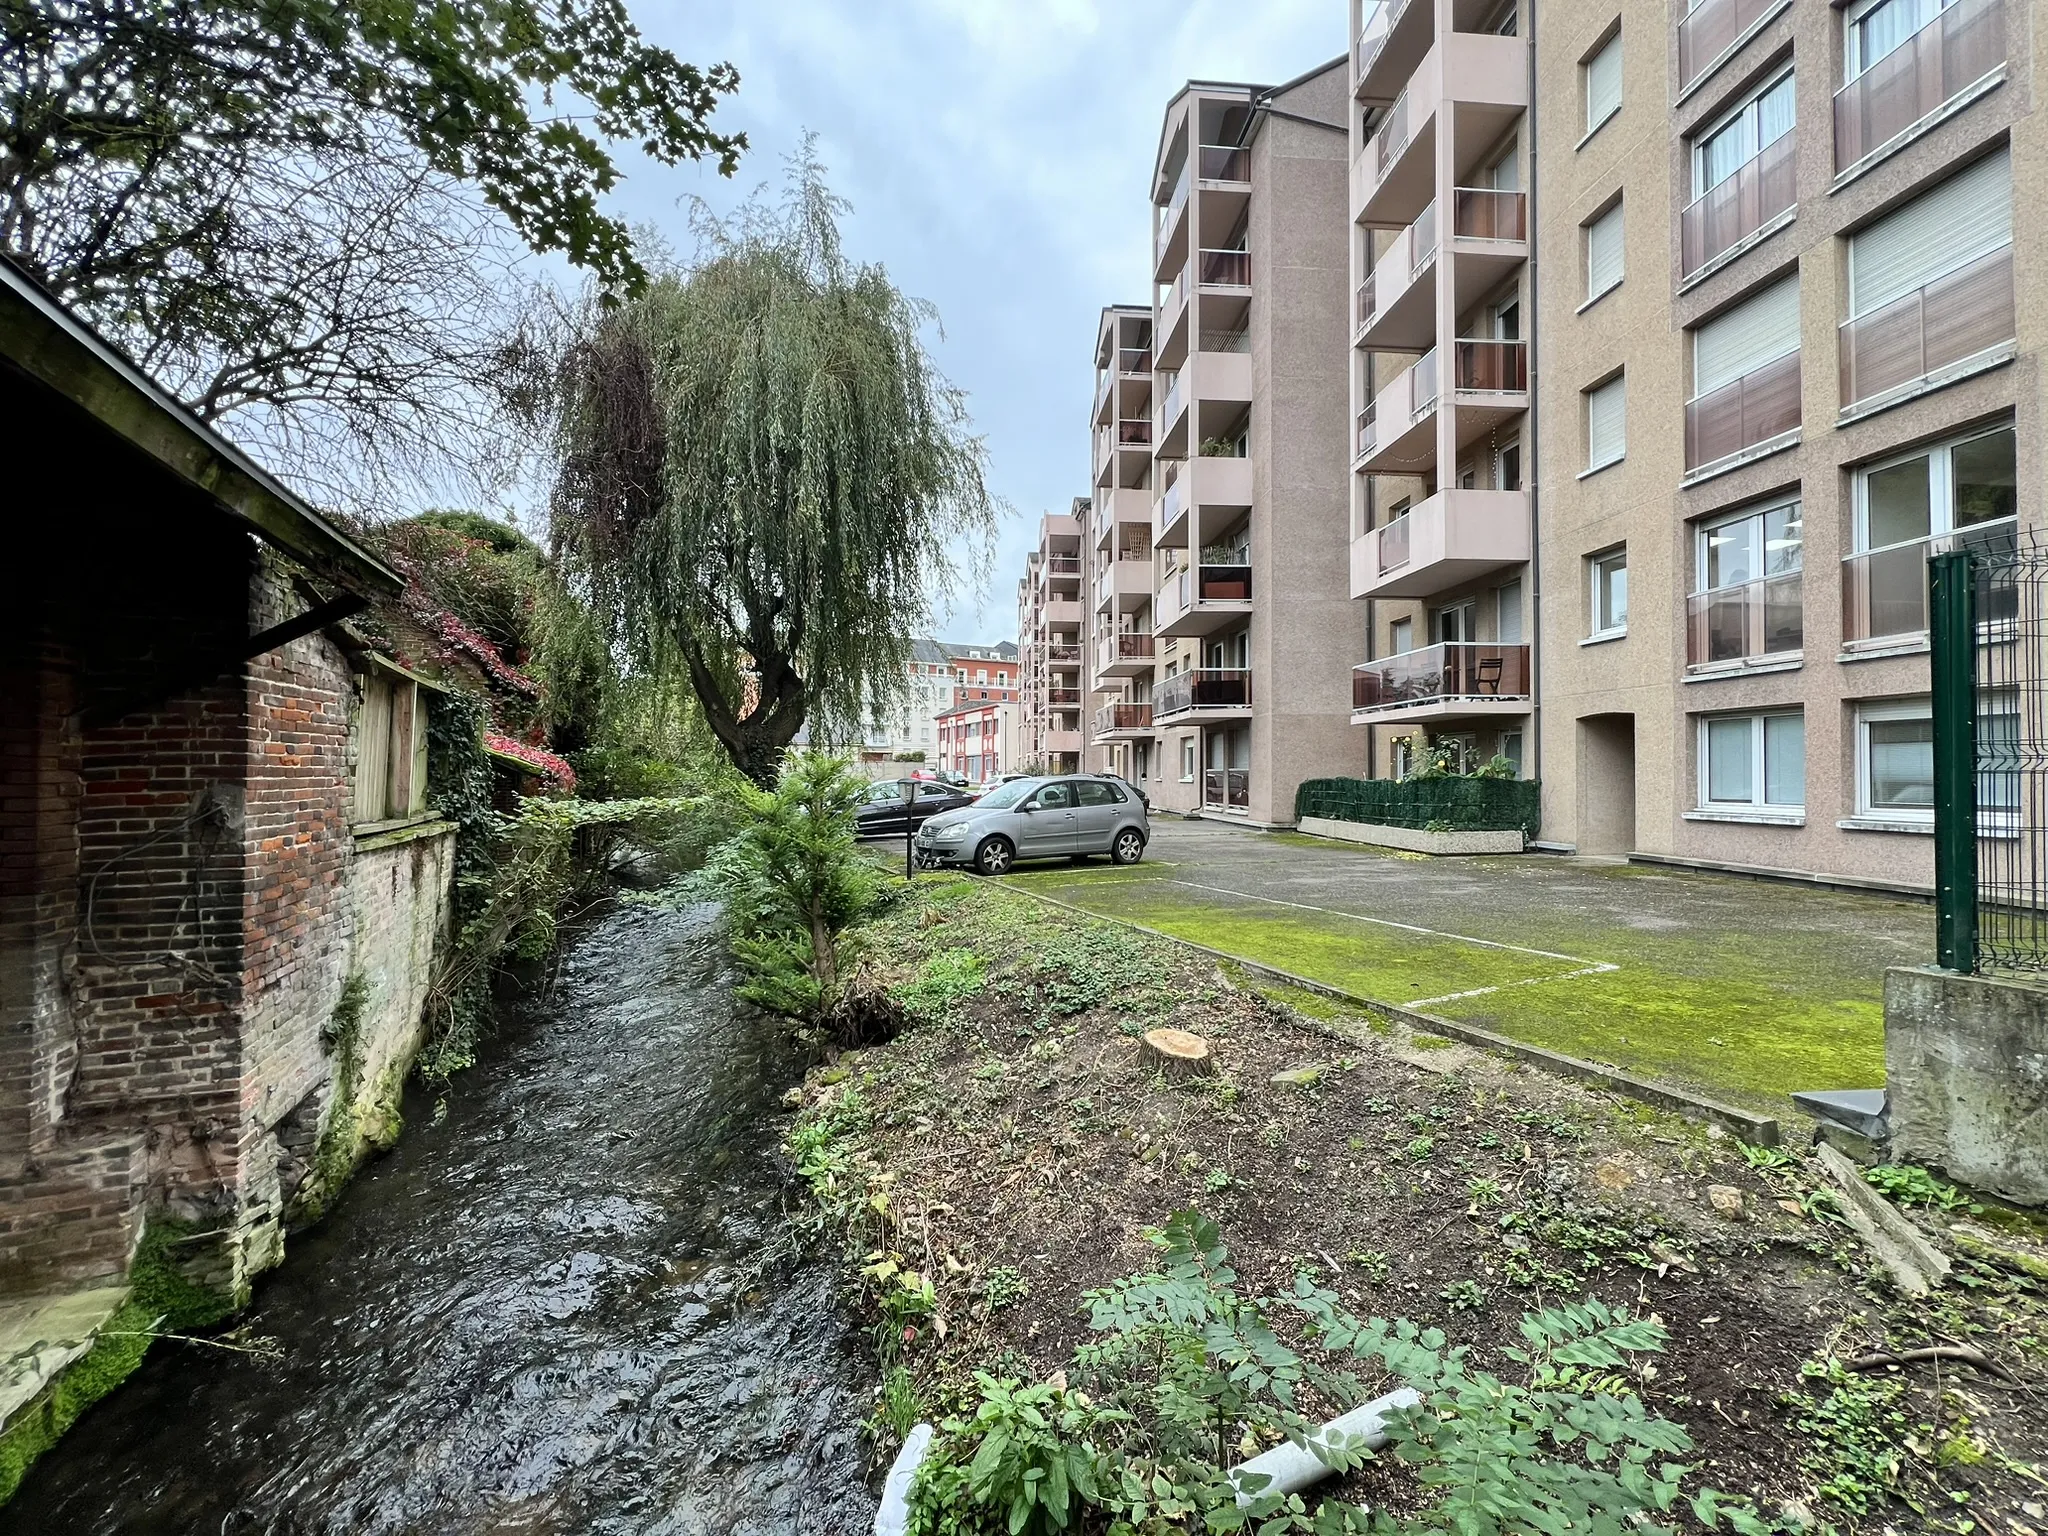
{"x":1414,"y":839}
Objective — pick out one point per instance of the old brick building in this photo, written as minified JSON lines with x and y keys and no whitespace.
{"x":220,"y":888}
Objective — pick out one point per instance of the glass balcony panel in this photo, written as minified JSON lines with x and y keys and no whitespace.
{"x":1486,"y":214}
{"x":1366,"y":298}
{"x":1202,"y":688}
{"x":1227,"y":269}
{"x":1710,"y":30}
{"x":1392,"y":137}
{"x":1962,"y":44}
{"x":1952,"y":318}
{"x":1492,"y":367}
{"x":1123,"y":717}
{"x":1441,"y":673}
{"x":1753,"y":409}
{"x":1422,"y":382}
{"x":1730,"y":212}
{"x":1225,"y":583}
{"x":1368,"y":438}
{"x":1884,"y":591}
{"x":1225,"y":162}
{"x":1757,"y":618}
{"x":1134,"y":432}
{"x":1134,"y":360}
{"x":1394,"y":544}
{"x":1422,"y":240}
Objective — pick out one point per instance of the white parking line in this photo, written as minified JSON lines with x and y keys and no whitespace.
{"x":1585,"y":966}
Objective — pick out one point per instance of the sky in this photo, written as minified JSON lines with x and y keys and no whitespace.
{"x":997,"y":157}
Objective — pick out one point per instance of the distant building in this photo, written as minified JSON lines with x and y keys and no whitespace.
{"x":940,"y":673}
{"x":978,"y":737}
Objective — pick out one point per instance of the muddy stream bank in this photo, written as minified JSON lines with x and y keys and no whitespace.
{"x":574,"y":1305}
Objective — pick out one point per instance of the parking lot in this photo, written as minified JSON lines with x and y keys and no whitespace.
{"x":1744,"y":989}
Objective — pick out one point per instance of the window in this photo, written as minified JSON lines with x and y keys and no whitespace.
{"x":1755,"y":762}
{"x":1967,"y":217}
{"x":1747,"y":585}
{"x":1507,"y":613}
{"x":1187,"y":759}
{"x":1098,"y":792}
{"x":1609,"y":593}
{"x":1877,"y":27}
{"x":391,"y":749}
{"x":1603,"y":83}
{"x":1056,"y":796}
{"x":1949,"y":487}
{"x":1507,"y":467}
{"x":1603,"y":253}
{"x":1511,"y":749}
{"x":1741,"y":341}
{"x":1895,"y":761}
{"x":1401,"y":636}
{"x":1606,"y":425}
{"x":1742,"y":135}
{"x":1456,"y":624}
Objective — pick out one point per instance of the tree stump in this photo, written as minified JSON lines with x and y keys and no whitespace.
{"x":1177,"y":1053}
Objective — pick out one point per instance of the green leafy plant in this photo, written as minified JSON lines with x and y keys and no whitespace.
{"x":1909,"y":1185}
{"x":942,"y":983}
{"x":1463,"y":1296}
{"x":1004,"y":1287}
{"x":1024,"y":1463}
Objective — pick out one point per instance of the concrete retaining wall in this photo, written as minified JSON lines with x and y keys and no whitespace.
{"x":1966,"y":1068}
{"x":1414,"y":839}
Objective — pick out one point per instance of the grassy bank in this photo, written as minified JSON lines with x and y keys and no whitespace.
{"x":1006,"y":1152}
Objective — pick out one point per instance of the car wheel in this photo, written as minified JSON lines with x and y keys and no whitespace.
{"x":995,"y":857}
{"x":1128,"y":848}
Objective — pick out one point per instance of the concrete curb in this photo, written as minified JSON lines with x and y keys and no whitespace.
{"x":893,"y":1518}
{"x":1292,"y":1468}
{"x":1757,"y":1130}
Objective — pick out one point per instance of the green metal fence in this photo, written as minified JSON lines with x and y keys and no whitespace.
{"x":1988,"y":637}
{"x":1459,"y":804}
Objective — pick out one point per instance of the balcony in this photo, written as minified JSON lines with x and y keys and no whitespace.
{"x":1198,"y":599}
{"x":1442,"y":682}
{"x":1062,"y":566}
{"x":1756,"y":621}
{"x":1134,"y":362}
{"x":1063,"y":698}
{"x":1204,"y":693}
{"x":1170,"y":244}
{"x":1453,"y":537}
{"x":1884,"y":591}
{"x":1125,"y":584}
{"x":1386,"y":52}
{"x":1481,"y":78}
{"x":1491,"y":368}
{"x":1224,"y":162}
{"x":1134,"y":432}
{"x":1226,"y":789}
{"x":1208,"y":481}
{"x":1962,"y":47}
{"x":1062,"y":741}
{"x":1124,"y":654}
{"x":1224,"y":269}
{"x":1729,"y":216}
{"x":1744,"y":417}
{"x":1122,"y":720}
{"x":1489,"y":384}
{"x":1958,"y":319}
{"x":1064,"y":613}
{"x":1711,"y":29}
{"x":1120,"y":507}
{"x":1488,"y":237}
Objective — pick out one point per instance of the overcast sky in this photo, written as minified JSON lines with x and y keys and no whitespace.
{"x":996,"y":155}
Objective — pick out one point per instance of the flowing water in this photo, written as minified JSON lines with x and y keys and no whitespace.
{"x":571,"y":1306}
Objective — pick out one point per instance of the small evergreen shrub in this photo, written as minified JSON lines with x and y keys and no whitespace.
{"x":1452,"y":802}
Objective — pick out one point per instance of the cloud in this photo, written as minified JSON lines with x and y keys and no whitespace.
{"x":997,"y":157}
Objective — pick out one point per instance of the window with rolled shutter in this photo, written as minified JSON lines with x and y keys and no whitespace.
{"x":1965,"y":218}
{"x":1603,"y":84}
{"x":1741,"y":340}
{"x":1606,"y":424}
{"x":1603,"y":252}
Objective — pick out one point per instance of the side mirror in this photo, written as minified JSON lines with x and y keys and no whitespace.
{"x":1028,"y":805}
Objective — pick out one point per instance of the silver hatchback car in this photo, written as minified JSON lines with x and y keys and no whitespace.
{"x":1063,"y":816}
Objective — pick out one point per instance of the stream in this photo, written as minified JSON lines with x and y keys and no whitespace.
{"x":573,"y":1305}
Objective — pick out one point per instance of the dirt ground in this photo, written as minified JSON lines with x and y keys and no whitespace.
{"x":1021,"y":1143}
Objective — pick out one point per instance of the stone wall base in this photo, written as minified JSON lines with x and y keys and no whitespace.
{"x":1413,"y":839}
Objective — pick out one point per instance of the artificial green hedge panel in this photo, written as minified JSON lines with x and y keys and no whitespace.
{"x":1463,"y":805}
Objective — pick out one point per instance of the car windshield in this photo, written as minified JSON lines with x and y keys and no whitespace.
{"x":1003,"y":796}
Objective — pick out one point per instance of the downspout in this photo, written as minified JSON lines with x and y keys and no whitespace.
{"x":1533,"y":479}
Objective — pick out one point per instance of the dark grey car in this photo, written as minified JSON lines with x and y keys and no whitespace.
{"x":1070,"y":816}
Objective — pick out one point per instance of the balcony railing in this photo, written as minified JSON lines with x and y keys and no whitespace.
{"x":1227,"y":269}
{"x":1063,"y":565}
{"x":1224,"y":583}
{"x":1725,"y":215}
{"x":1176,"y":294}
{"x":1226,"y":789}
{"x":1955,"y":317}
{"x":1133,"y":432}
{"x":1884,"y":591}
{"x":1123,"y":717}
{"x":1756,"y":619}
{"x":1392,"y":137}
{"x":1169,"y":404}
{"x":1368,"y":431}
{"x":1202,"y":688}
{"x":1366,"y":298}
{"x":1742,"y":413}
{"x":1710,"y":30}
{"x":1492,"y":367}
{"x":1422,"y":383}
{"x":1174,"y":204}
{"x":1394,"y":544}
{"x":1422,"y":241}
{"x":1961,"y":45}
{"x":1063,"y":698}
{"x":1441,"y":674}
{"x":1174,"y":502}
{"x":1225,"y":162}
{"x":1486,"y":213}
{"x":1133,"y":359}
{"x":1063,"y":655}
{"x":1126,"y":646}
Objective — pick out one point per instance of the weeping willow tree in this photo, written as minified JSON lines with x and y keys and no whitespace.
{"x":764,"y":481}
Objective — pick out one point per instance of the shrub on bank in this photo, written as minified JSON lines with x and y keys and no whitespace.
{"x":1453,"y":803}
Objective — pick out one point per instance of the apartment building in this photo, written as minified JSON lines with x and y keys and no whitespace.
{"x":1052,"y":625}
{"x":978,"y":736}
{"x":938,"y":675}
{"x":1222,"y":611}
{"x":1781,"y":330}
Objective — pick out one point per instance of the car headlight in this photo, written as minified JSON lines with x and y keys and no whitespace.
{"x":948,"y":834}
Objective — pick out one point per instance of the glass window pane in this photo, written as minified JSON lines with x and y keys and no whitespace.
{"x":1723,"y":154}
{"x":1785,"y":760}
{"x":1732,"y":553}
{"x":1613,"y":593}
{"x":1998,"y":754}
{"x":1901,"y":754}
{"x":1987,"y":485}
{"x":1784,"y":539}
{"x":1774,"y":114}
{"x":1728,"y":764}
{"x":1895,"y":504}
{"x":1885,"y":27}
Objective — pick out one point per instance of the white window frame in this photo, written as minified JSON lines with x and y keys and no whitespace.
{"x":1941,"y":487}
{"x":1400,"y":637}
{"x":1189,"y":760}
{"x":1604,"y":560}
{"x":1612,"y":211}
{"x":1696,"y":146}
{"x":1854,"y":65}
{"x":1758,"y":806}
{"x":1587,"y":396}
{"x":1586,"y":66}
{"x":1920,"y":707}
{"x":1757,"y":510}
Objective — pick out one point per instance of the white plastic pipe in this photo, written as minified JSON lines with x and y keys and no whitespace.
{"x":893,"y":1518}
{"x":1293,"y":1468}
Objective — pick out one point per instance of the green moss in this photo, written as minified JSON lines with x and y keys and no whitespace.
{"x":341,"y":1140}
{"x":161,"y":1299}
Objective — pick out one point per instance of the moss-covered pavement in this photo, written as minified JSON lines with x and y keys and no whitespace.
{"x":1744,"y":989}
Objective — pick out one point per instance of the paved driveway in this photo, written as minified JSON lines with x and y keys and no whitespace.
{"x":1746,"y":989}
